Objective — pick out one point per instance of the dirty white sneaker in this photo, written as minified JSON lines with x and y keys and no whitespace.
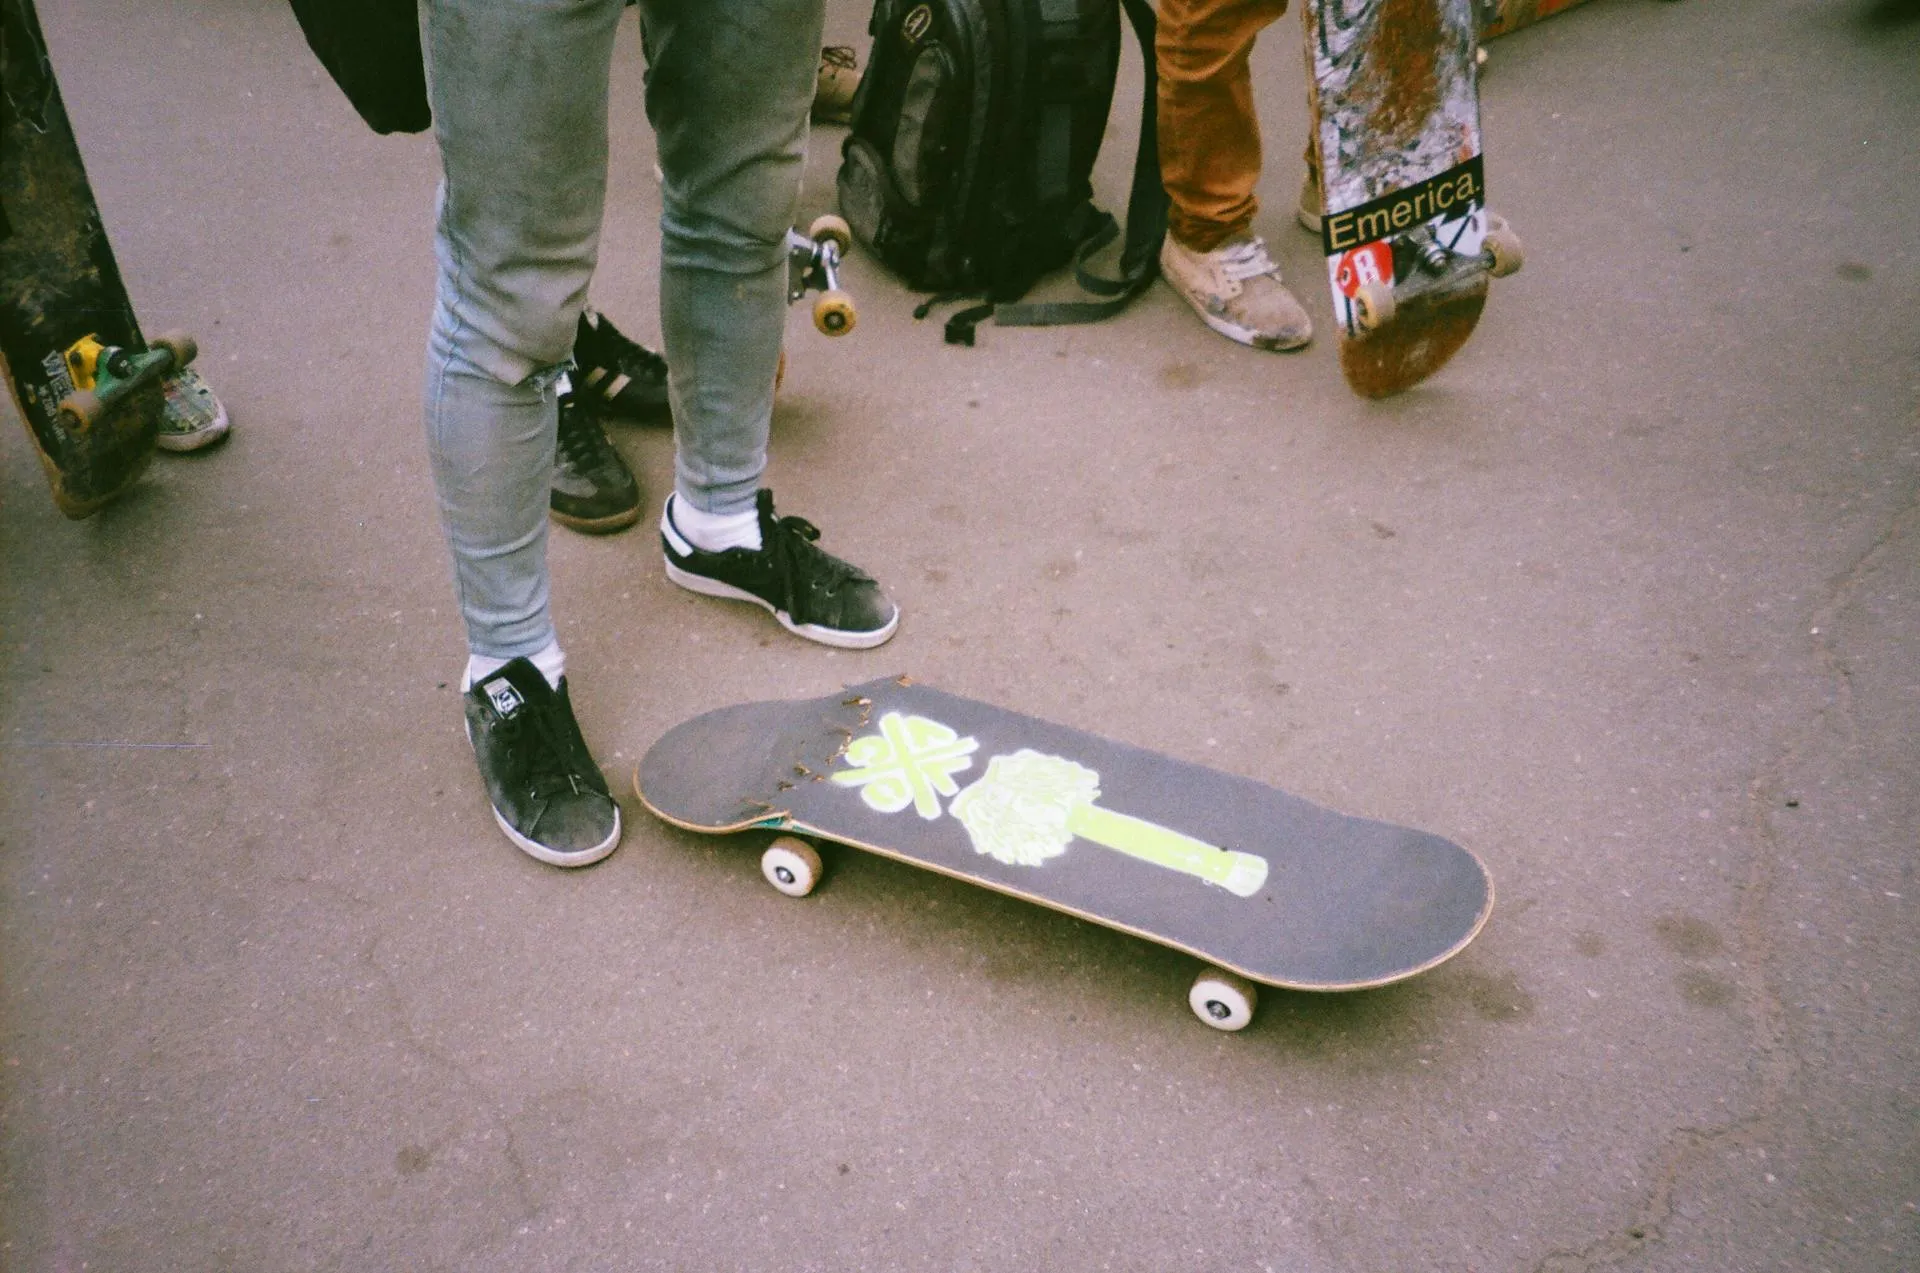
{"x":1236,"y":290}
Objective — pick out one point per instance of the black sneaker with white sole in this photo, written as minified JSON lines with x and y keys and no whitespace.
{"x":811,"y":592}
{"x":617,"y":374}
{"x":547,"y":794}
{"x":593,"y":489}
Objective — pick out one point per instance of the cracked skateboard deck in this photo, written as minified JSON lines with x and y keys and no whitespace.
{"x":1267,"y":887}
{"x":1404,"y":224}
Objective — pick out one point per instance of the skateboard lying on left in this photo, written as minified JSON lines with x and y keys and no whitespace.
{"x":1263,"y":886}
{"x":87,"y":386}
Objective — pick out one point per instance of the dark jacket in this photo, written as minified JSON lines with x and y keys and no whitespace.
{"x":372,"y":50}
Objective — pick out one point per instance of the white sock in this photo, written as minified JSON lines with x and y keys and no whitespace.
{"x":711,"y":532}
{"x":551,"y":660}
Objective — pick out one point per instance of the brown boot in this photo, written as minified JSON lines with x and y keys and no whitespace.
{"x":833,"y":92}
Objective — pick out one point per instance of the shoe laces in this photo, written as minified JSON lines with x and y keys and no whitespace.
{"x":791,"y":543}
{"x":537,"y":735}
{"x":617,"y":351}
{"x":839,"y":55}
{"x":1246,"y":259}
{"x":583,"y":443}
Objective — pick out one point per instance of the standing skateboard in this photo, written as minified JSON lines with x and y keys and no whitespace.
{"x":1404,"y":223}
{"x":86,"y":385}
{"x":1265,"y":886}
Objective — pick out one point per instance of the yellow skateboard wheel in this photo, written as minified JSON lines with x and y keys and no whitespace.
{"x":828,"y":228}
{"x":833,"y":313}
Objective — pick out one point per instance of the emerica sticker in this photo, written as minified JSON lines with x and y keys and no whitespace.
{"x":1451,"y":195}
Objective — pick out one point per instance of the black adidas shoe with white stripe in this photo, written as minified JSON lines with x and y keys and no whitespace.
{"x":616,"y":375}
{"x":547,"y":794}
{"x":811,"y":592}
{"x":593,"y":489}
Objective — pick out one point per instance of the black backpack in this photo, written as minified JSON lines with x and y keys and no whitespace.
{"x":974,"y":131}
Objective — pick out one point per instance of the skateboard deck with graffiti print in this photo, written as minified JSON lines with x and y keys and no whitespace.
{"x":1404,"y":223}
{"x":1266,"y":886}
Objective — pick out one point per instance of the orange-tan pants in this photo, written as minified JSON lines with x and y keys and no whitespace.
{"x":1209,"y":135}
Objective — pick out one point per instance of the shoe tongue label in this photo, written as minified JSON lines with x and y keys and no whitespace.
{"x":506,"y":700}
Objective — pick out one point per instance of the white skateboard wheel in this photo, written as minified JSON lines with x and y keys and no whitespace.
{"x":791,"y":865}
{"x":181,"y":346}
{"x":1222,"y":1000}
{"x":1504,"y":252}
{"x":1373,"y":306}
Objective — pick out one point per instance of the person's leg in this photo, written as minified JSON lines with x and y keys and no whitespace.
{"x":519,"y":97}
{"x":1210,"y":163}
{"x":1209,"y":132}
{"x":729,"y":86}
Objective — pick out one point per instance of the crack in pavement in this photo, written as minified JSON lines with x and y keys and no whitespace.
{"x":1777,"y":1051}
{"x":527,"y":1206}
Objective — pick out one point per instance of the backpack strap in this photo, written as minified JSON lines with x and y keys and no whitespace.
{"x":1146,"y":223}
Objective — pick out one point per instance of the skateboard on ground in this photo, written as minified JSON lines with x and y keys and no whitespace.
{"x":87,"y":386}
{"x":1404,"y":222}
{"x":1263,"y":886}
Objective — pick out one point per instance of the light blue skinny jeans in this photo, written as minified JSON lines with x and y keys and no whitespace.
{"x":519,"y":96}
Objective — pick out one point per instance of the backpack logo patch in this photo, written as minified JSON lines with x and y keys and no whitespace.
{"x":914,"y":27}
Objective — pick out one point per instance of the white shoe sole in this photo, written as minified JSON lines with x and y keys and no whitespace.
{"x":555,"y":857}
{"x":811,"y":631}
{"x":1241,"y":335}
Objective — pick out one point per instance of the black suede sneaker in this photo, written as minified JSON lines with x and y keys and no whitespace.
{"x":620,"y":376}
{"x":593,"y":489}
{"x":547,"y":794}
{"x":812,"y":593}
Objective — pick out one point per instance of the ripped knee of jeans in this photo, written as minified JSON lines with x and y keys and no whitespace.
{"x":554,"y":377}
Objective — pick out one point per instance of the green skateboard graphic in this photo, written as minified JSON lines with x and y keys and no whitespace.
{"x":1028,"y":808}
{"x":1269,"y":887}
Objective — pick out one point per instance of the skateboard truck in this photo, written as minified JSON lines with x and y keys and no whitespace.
{"x":813,"y":265}
{"x":104,"y":376}
{"x":1375,"y":301}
